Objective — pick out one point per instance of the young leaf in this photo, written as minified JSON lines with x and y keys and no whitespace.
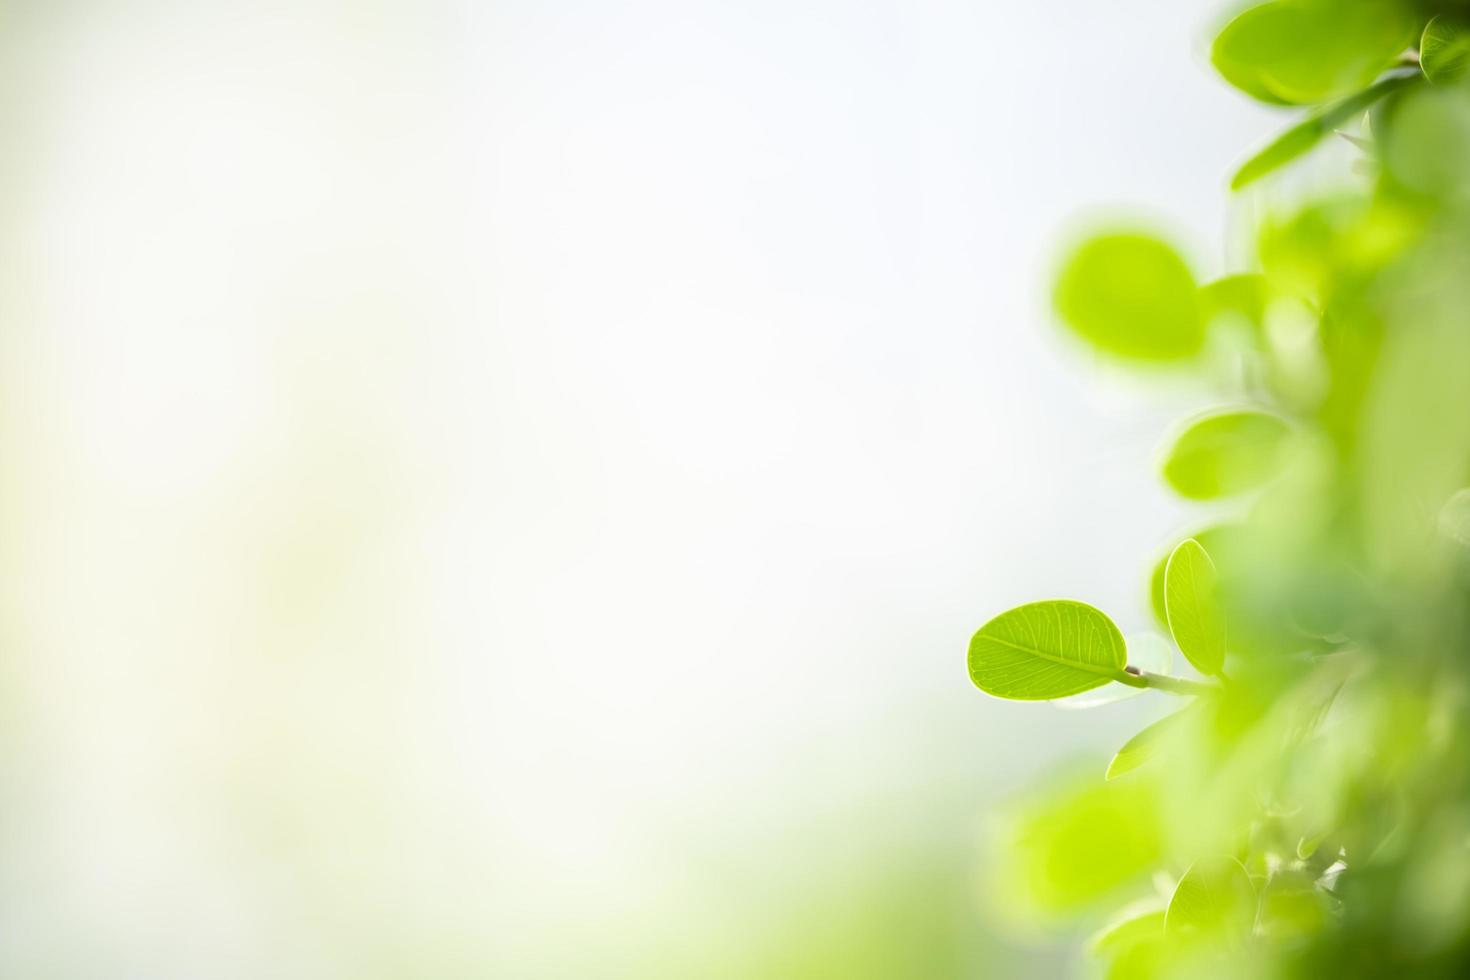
{"x":1194,"y":608}
{"x":1301,"y":52}
{"x":1078,"y":842}
{"x":1214,"y":899}
{"x":1133,"y":948}
{"x":1444,"y":50}
{"x":1306,"y":134}
{"x":1291,"y":907}
{"x":1224,"y":454}
{"x":1144,"y":746}
{"x":1147,"y":651}
{"x":1132,"y":296}
{"x":1243,"y":295}
{"x":1046,"y":650}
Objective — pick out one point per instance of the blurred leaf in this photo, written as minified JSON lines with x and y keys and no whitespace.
{"x":1444,"y":49}
{"x":1305,"y":135}
{"x":1132,"y":296}
{"x":1144,"y":746}
{"x":1427,"y":146}
{"x":1214,"y":900}
{"x":1046,"y":650}
{"x":1225,"y":454}
{"x":1147,"y":651}
{"x":1291,"y":907}
{"x":1133,"y":949}
{"x":1301,"y":52}
{"x":1193,"y":607}
{"x":1077,"y":844}
{"x":1242,"y":295}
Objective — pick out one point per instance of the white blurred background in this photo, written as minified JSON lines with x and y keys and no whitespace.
{"x":503,"y":488}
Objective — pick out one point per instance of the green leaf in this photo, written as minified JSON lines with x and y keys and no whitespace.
{"x":1077,"y":843}
{"x":1302,"y":52}
{"x":1243,"y":295}
{"x":1444,"y":49}
{"x":1193,"y":607}
{"x":1132,"y":296}
{"x":1214,"y":899}
{"x":1225,"y":453}
{"x":1147,"y":651}
{"x":1132,"y":948}
{"x":1145,"y":746}
{"x":1305,"y":135}
{"x":1291,"y":907}
{"x":1046,"y":650}
{"x":1427,"y":144}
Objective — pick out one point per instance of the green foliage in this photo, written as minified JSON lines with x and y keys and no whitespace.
{"x":1301,"y":52}
{"x":1046,"y":650}
{"x":1132,"y":296}
{"x":1243,"y":296}
{"x":1134,"y":948}
{"x":1305,"y":135}
{"x":1224,"y":454}
{"x":1214,"y":899}
{"x":1306,"y":814}
{"x":1144,"y":746}
{"x":1444,"y":49}
{"x":1076,"y":846}
{"x":1193,"y":607}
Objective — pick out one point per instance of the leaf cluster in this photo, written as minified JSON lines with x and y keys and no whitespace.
{"x":1306,"y":811}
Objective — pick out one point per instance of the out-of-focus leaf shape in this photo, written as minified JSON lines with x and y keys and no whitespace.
{"x":1214,"y":900}
{"x":1046,"y":650}
{"x":1243,"y":295}
{"x":1146,"y":745}
{"x":1301,"y":52}
{"x":1301,"y":138}
{"x":1444,"y":49}
{"x":1132,"y":296}
{"x":1291,"y":907}
{"x":1427,"y":144}
{"x":1454,"y":518}
{"x":1134,"y":948}
{"x":1077,"y":844}
{"x":1147,"y":651}
{"x":1192,"y":604}
{"x":1224,"y":454}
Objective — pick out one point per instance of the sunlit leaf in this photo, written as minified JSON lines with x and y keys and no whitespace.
{"x":1132,"y":296}
{"x":1305,"y":135}
{"x":1214,"y":899}
{"x":1226,"y":453}
{"x":1192,"y":603}
{"x":1291,"y":906}
{"x":1079,"y":843}
{"x":1133,"y":949}
{"x":1444,"y":49}
{"x":1243,"y":295}
{"x":1427,"y":145}
{"x":1046,"y":650}
{"x":1308,"y":51}
{"x":1147,"y":651}
{"x":1145,"y":746}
